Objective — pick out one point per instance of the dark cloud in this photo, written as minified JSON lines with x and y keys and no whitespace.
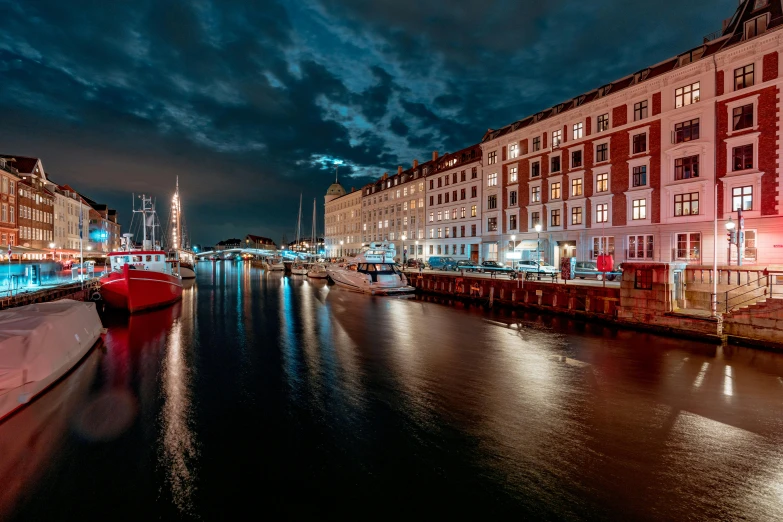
{"x":252,"y":103}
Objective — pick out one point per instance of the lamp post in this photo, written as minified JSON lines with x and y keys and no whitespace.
{"x":538,"y":247}
{"x":417,"y":247}
{"x":731,"y":235}
{"x":341,"y":248}
{"x":513,"y":247}
{"x":51,"y":245}
{"x":404,"y":237}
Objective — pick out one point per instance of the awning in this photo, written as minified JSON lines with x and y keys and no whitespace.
{"x":529,"y":244}
{"x":19,"y":250}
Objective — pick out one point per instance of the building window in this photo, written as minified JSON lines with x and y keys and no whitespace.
{"x":462,"y":194}
{"x":640,"y":176}
{"x":492,"y":157}
{"x":512,"y":175}
{"x":603,"y":123}
{"x":535,"y":219}
{"x":576,"y":187}
{"x":492,"y":202}
{"x":686,"y":95}
{"x":743,"y":117}
{"x":578,"y":131}
{"x":474,"y":173}
{"x":440,"y":215}
{"x":643,"y":279}
{"x":640,"y":110}
{"x":557,"y":138}
{"x":473,"y":211}
{"x":576,"y":216}
{"x":513,"y":150}
{"x":639,"y":143}
{"x":448,"y":234}
{"x":440,"y":182}
{"x":555,"y":191}
{"x":602,"y":152}
{"x":512,"y":222}
{"x":602,"y":182}
{"x":492,"y":180}
{"x":535,"y":195}
{"x":431,"y":246}
{"x":686,"y":204}
{"x":556,"y":164}
{"x":576,"y":158}
{"x":512,"y":198}
{"x":743,"y":77}
{"x":454,"y":213}
{"x":535,"y":169}
{"x":686,"y":131}
{"x":639,"y":209}
{"x":462,"y":247}
{"x":602,"y":245}
{"x":743,"y":157}
{"x":440,"y":199}
{"x":742,"y":198}
{"x":686,"y":168}
{"x":756,"y":26}
{"x":602,"y":213}
{"x":473,"y":230}
{"x":463,"y":176}
{"x":640,"y":247}
{"x":536,"y":143}
{"x":689,"y":246}
{"x":492,"y":224}
{"x":439,"y":233}
{"x":474,"y":191}
{"x":554,"y":217}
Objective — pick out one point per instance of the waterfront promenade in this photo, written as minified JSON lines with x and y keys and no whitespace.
{"x":289,"y":395}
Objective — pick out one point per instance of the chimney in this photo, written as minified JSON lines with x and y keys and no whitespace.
{"x":385,"y":175}
{"x":434,"y":155}
{"x":415,"y":163}
{"x":399,"y":169}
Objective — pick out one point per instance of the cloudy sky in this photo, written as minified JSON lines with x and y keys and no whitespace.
{"x":253,"y":102}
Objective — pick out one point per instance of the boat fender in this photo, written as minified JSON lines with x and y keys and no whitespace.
{"x":96,"y":296}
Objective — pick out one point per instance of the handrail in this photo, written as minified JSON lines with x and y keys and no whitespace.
{"x":754,"y":289}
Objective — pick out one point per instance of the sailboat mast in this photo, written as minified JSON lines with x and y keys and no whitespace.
{"x":144,"y":218}
{"x":299,"y":221}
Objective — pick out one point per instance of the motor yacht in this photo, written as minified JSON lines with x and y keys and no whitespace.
{"x":300,"y":269}
{"x":372,"y":271}
{"x":276,"y":264}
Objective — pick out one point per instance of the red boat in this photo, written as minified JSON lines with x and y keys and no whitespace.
{"x":140,"y":280}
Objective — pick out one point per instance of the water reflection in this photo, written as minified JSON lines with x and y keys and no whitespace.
{"x":31,"y":438}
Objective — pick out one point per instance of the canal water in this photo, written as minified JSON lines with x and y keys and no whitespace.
{"x":269,"y":395}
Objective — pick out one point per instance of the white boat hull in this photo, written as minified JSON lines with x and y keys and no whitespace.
{"x":39,"y":344}
{"x":317,"y":274}
{"x":357,"y":282}
{"x":275,"y":267}
{"x":186,"y":273}
{"x":299,"y":271}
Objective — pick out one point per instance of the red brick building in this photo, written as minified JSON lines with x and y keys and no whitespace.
{"x":9,"y":227}
{"x":632,"y":168}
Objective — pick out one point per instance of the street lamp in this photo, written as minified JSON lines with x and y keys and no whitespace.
{"x":404,"y":237}
{"x":731,"y":235}
{"x":538,"y":246}
{"x":341,"y":248}
{"x":513,"y":246}
{"x":417,"y":247}
{"x":51,"y":245}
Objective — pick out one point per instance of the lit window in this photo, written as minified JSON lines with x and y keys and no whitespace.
{"x":602,"y":213}
{"x":602,"y":182}
{"x":535,"y":194}
{"x":603,"y":123}
{"x":578,"y":131}
{"x":492,"y":179}
{"x":640,"y":209}
{"x":686,"y":95}
{"x":742,"y":198}
{"x":512,"y":175}
{"x":554,"y":218}
{"x":557,"y":138}
{"x":492,"y":158}
{"x":576,"y":187}
{"x":686,"y":204}
{"x":555,"y":191}
{"x":576,"y":216}
{"x":513,"y":150}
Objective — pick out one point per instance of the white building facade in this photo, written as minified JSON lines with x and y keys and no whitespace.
{"x":453,"y":191}
{"x":343,"y":222}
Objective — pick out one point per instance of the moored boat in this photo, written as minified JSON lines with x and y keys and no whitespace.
{"x":276,"y":264}
{"x":317,"y":271}
{"x":372,"y":271}
{"x":40,"y":343}
{"x":300,"y":269}
{"x":141,"y":279}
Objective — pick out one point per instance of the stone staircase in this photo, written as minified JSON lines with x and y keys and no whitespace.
{"x":762,"y":321}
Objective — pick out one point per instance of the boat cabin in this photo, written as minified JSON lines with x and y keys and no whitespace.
{"x":378,"y":269}
{"x":154,"y":261}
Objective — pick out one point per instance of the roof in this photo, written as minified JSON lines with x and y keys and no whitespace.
{"x":259,"y":239}
{"x":21,"y":163}
{"x":457,"y":159}
{"x":732,"y":34}
{"x":335,"y":189}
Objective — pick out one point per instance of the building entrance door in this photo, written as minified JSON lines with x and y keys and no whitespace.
{"x":679,"y":294}
{"x":564,"y":250}
{"x":474,"y":255}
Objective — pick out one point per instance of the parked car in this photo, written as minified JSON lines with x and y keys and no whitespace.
{"x":536,"y":266}
{"x":466,"y":265}
{"x":494,"y":266}
{"x":442,"y":263}
{"x":589,"y":269}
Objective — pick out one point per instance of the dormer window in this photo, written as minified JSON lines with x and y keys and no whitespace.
{"x":756,"y":26}
{"x":759,"y":4}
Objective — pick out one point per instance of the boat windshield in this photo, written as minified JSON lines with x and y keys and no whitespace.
{"x":378,"y":267}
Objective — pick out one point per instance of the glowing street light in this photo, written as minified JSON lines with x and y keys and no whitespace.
{"x":538,"y":246}
{"x":341,"y":248}
{"x":404,"y":237}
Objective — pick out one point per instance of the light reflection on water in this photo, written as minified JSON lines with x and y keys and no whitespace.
{"x":294,"y":399}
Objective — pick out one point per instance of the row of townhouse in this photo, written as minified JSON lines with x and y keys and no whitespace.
{"x":43,"y":217}
{"x":640,"y":168}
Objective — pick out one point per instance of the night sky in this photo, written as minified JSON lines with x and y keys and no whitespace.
{"x":252,"y":102}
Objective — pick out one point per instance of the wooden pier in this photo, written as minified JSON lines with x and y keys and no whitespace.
{"x":75,"y":291}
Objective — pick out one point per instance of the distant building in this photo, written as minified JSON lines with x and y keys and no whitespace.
{"x":9,"y":227}
{"x":228,"y":244}
{"x":342,"y":221}
{"x":259,"y":242}
{"x":307,"y":246}
{"x":35,"y":214}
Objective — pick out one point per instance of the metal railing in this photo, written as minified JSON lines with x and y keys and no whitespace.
{"x":754,"y":287}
